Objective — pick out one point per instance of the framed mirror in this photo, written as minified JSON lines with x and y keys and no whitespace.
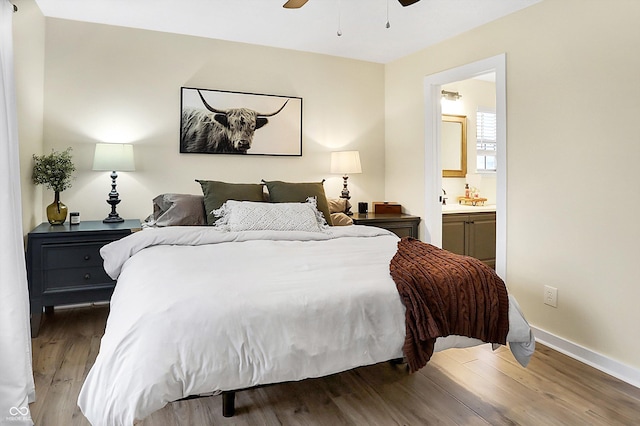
{"x":454,"y":145}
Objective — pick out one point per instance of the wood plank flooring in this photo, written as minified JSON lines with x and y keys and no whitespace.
{"x":458,"y":387}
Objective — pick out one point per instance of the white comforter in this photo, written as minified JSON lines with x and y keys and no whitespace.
{"x":198,"y":310}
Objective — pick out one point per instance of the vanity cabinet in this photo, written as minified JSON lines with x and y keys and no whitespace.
{"x":471,"y":234}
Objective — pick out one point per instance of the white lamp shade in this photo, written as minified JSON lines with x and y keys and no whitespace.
{"x":114,"y":157}
{"x":345,"y":162}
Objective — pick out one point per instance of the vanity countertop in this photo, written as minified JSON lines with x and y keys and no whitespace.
{"x":465,"y":208}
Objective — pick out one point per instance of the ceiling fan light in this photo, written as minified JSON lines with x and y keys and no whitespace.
{"x":294,"y":4}
{"x":297,"y":4}
{"x":408,"y":2}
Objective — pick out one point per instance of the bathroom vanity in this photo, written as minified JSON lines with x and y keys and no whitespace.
{"x":470,"y":230}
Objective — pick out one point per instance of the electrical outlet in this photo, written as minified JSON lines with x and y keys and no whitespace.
{"x":551,"y":296}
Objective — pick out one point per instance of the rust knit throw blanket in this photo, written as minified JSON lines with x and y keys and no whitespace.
{"x":444,"y":294}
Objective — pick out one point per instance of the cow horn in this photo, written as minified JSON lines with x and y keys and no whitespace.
{"x":274,"y":113}
{"x":209,"y":107}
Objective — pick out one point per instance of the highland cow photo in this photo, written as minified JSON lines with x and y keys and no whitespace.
{"x":221,"y":122}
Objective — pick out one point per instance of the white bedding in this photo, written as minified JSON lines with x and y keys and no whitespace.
{"x":198,"y":310}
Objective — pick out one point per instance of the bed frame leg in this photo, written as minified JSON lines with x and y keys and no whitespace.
{"x":228,"y":403}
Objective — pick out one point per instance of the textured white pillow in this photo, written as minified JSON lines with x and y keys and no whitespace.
{"x":254,"y":216}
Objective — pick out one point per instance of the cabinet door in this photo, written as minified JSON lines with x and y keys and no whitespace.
{"x":453,"y":233}
{"x":482,"y":237}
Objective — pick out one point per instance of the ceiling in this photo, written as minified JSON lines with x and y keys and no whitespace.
{"x":312,"y":28}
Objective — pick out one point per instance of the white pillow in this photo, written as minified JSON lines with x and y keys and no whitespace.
{"x":255,"y":216}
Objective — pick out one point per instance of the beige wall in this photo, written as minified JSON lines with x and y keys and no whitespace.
{"x":573,"y":148}
{"x":28,"y":33}
{"x":113,"y":84}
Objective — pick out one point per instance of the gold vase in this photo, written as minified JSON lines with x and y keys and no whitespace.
{"x":56,"y":211}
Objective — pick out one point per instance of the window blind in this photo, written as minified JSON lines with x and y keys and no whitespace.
{"x":486,"y":141}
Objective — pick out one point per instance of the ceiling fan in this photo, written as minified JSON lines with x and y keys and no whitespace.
{"x":296,"y":4}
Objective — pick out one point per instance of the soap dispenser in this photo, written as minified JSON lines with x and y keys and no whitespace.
{"x":467,"y":192}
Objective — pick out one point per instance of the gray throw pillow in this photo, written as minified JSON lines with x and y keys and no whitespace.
{"x":178,"y":210}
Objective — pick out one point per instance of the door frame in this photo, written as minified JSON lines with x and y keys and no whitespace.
{"x":432,"y":163}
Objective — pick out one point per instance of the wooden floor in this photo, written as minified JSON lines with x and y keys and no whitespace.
{"x":458,"y":387}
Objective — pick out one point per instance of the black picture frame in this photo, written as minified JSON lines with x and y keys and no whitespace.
{"x":239,"y":123}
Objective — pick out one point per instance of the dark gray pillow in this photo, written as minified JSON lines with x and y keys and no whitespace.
{"x":292,"y":192}
{"x":216,"y":193}
{"x":178,"y":210}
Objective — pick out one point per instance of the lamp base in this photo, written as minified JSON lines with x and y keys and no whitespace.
{"x":113,"y":219}
{"x":345,"y":191}
{"x":113,"y":201}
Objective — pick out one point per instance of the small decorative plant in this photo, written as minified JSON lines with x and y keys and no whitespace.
{"x":54,"y":171}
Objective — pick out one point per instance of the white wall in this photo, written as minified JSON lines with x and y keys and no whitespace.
{"x":573,"y":149}
{"x":113,"y":84}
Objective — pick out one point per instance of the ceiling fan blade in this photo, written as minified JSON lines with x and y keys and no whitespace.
{"x":408,"y":2}
{"x":295,"y":4}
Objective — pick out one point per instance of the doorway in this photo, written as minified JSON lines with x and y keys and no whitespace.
{"x":433,"y":149}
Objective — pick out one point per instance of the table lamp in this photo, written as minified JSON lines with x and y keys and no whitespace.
{"x":345,"y":162}
{"x":113,"y":157}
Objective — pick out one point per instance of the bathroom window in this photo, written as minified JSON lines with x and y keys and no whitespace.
{"x":486,"y":143}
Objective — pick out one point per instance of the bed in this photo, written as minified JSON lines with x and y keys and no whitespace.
{"x":208,"y":309}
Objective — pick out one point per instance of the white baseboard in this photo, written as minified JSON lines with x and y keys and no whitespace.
{"x":598,"y":361}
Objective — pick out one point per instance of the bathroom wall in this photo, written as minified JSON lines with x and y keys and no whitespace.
{"x":475,"y":94}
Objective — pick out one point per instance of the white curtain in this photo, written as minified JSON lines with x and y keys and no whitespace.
{"x":16,"y":375}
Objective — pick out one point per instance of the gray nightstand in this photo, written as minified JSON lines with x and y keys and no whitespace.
{"x":403,"y":225}
{"x":64,"y":265}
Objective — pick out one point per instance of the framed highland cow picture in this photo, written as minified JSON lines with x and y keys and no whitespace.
{"x":222,"y":122}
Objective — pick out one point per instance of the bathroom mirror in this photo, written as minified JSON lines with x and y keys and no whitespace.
{"x":454,"y":145}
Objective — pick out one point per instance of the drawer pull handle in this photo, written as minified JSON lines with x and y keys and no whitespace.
{"x":87,"y":276}
{"x":87,"y":257}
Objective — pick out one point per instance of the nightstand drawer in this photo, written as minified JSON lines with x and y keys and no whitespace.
{"x":403,"y":225}
{"x":403,"y":231}
{"x":57,"y":279}
{"x":72,"y":255}
{"x":64,"y":266}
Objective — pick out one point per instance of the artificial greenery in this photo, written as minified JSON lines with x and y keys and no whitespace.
{"x":54,"y":170}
